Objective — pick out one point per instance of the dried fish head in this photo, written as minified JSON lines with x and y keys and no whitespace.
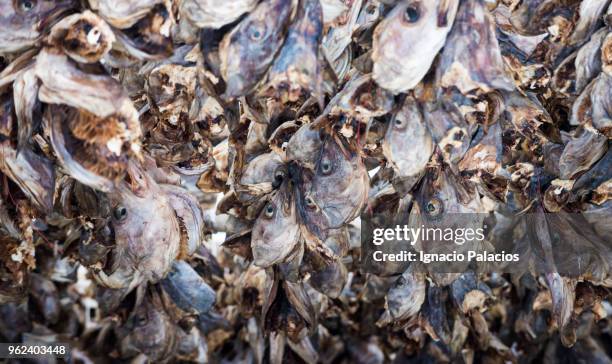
{"x":149,"y":330}
{"x":304,"y":145}
{"x":85,"y":37}
{"x":147,"y":232}
{"x":149,"y":38}
{"x":406,"y":42}
{"x":123,"y":14}
{"x":214,"y":13}
{"x":337,"y":190}
{"x":449,"y":130}
{"x":471,"y":61}
{"x":249,"y":49}
{"x":406,"y":295}
{"x":276,"y":231}
{"x":295,"y":73}
{"x":408,"y":144}
{"x":46,"y":298}
{"x":581,"y":152}
{"x":444,"y":192}
{"x":88,"y":114}
{"x":362,"y":99}
{"x":23,"y":22}
{"x":261,"y":175}
{"x":289,"y":310}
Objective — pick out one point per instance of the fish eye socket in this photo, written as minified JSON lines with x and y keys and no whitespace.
{"x":326,"y":166}
{"x":434,"y":207}
{"x":269,"y":211}
{"x":120,"y":213}
{"x":26,"y":5}
{"x":412,"y":14}
{"x":256,"y":32}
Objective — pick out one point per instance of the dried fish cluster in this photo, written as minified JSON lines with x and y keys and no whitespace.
{"x":192,"y":180}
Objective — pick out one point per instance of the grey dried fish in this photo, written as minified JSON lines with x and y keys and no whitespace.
{"x":581,"y":152}
{"x":214,"y":13}
{"x":408,"y":144}
{"x":249,"y":49}
{"x":296,"y":71}
{"x":276,"y":230}
{"x":472,"y":60}
{"x":413,"y":32}
{"x":142,"y":213}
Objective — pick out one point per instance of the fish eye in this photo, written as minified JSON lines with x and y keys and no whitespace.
{"x":399,"y":123}
{"x":279,"y":176}
{"x":140,"y":320}
{"x":269,"y":211}
{"x":310,"y":203}
{"x":26,"y":5}
{"x":256,"y":32}
{"x":434,"y":207}
{"x":120,"y":213}
{"x":326,"y":166}
{"x":412,"y":13}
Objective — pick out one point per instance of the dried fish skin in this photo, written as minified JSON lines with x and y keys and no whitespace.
{"x":190,"y":216}
{"x":214,"y":13}
{"x":588,"y":60}
{"x":601,"y":101}
{"x":581,"y":152}
{"x":406,"y":42}
{"x":249,"y":49}
{"x":33,"y":174}
{"x":408,"y":144}
{"x":22,"y":23}
{"x":589,"y":12}
{"x":187,"y":289}
{"x":472,"y":59}
{"x":276,"y":231}
{"x":84,"y":37}
{"x":99,"y":94}
{"x":296,"y":71}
